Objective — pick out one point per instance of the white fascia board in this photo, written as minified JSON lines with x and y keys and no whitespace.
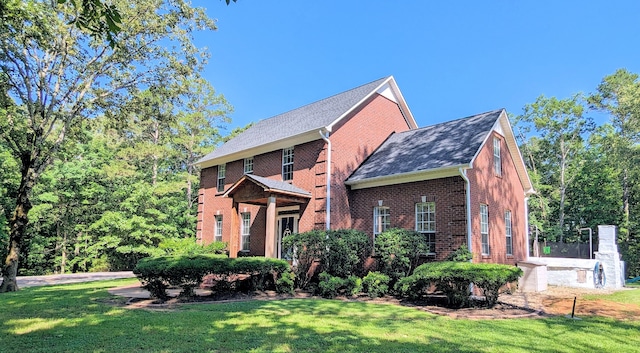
{"x":407,"y":177}
{"x":516,"y":155}
{"x":269,"y":147}
{"x":389,"y":89}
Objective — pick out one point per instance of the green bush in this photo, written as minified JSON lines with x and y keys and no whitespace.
{"x":286,"y":282}
{"x":353,"y":285}
{"x":376,"y":284}
{"x":462,"y":254}
{"x":454,"y":279}
{"x":399,"y":251}
{"x":340,"y":253}
{"x":330,"y":286}
{"x":190,"y":246}
{"x":346,"y":252}
{"x":308,"y":248}
{"x":187,"y":272}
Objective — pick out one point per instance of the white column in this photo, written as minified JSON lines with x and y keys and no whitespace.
{"x":270,"y":247}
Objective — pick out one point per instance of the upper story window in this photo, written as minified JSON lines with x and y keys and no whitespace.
{"x":381,"y":219}
{"x":497,"y":161}
{"x":426,"y":223}
{"x":221,"y":173}
{"x":248,"y":165}
{"x":218,"y":229}
{"x":484,"y":228}
{"x":287,"y":164}
{"x":508,"y":232}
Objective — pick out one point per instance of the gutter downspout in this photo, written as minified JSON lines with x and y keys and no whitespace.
{"x":463,"y":174}
{"x":325,"y":137}
{"x":526,"y":225}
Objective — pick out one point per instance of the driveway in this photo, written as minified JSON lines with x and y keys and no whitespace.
{"x":34,"y":281}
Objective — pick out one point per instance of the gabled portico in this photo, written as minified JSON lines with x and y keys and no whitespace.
{"x":272,"y":194}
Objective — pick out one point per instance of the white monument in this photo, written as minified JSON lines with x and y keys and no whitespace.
{"x":609,"y":259}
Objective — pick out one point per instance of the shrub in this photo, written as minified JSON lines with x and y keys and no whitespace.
{"x":157,"y":273}
{"x":353,"y":285}
{"x":454,"y":279}
{"x":286,"y":282}
{"x":462,"y":254}
{"x":399,"y":252}
{"x":189,"y":246}
{"x":346,"y":252}
{"x":341,"y":253}
{"x":330,"y":286}
{"x":308,"y":248}
{"x":376,"y":284}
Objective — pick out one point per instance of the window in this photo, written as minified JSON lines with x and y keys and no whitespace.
{"x":497,"y":162}
{"x":426,"y":223}
{"x":248,"y":165}
{"x":381,"y":219}
{"x":507,"y":225}
{"x":218,"y":229}
{"x":245,"y":231}
{"x":221,"y":172}
{"x":287,"y":164}
{"x":484,"y":228}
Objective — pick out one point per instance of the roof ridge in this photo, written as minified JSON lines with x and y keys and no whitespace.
{"x":320,"y":100}
{"x":451,"y":121}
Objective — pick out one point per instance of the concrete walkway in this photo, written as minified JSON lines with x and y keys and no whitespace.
{"x":34,"y":281}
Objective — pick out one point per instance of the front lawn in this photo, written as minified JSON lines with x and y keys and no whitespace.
{"x":78,"y":318}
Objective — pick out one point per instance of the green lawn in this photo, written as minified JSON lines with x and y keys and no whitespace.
{"x":76,"y":318}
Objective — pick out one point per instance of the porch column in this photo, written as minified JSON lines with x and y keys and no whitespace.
{"x":234,"y":240}
{"x":271,"y":239}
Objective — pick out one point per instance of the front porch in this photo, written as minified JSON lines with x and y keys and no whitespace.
{"x":283,"y":202}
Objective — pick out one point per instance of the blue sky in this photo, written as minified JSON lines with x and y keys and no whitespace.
{"x":451,"y":59}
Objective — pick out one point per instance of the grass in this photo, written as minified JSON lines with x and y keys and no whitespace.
{"x":629,"y":296}
{"x":78,"y":318}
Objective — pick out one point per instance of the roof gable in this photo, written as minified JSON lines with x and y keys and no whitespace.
{"x":303,"y":124}
{"x":447,"y":145}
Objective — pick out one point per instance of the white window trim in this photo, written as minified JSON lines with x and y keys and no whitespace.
{"x":378,"y":226}
{"x":287,"y":153}
{"x":217,"y":236}
{"x":222,"y":171}
{"x":427,"y":231}
{"x":509,"y":233}
{"x":248,"y":165}
{"x":245,"y":231}
{"x":484,"y":229}
{"x":497,"y":159}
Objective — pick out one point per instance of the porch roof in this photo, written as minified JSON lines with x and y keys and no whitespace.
{"x":256,"y":190}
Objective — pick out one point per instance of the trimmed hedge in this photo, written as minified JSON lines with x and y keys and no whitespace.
{"x":376,"y":284}
{"x":454,"y":279}
{"x":332,"y":286}
{"x":187,"y":271}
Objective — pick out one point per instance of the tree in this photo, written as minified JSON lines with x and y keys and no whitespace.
{"x":619,"y":95}
{"x":55,"y":76}
{"x":561,"y":125}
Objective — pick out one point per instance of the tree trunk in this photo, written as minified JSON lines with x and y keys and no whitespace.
{"x":18,"y":224}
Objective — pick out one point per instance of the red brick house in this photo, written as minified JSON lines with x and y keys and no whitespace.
{"x":358,"y":160}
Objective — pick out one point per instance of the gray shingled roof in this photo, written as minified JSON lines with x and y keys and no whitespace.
{"x":278,"y":185}
{"x":310,"y":117}
{"x":438,"y":146}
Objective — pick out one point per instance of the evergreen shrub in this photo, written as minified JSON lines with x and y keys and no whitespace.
{"x":376,"y":284}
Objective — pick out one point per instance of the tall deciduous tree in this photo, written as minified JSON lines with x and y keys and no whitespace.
{"x":561,"y":125}
{"x":56,"y":75}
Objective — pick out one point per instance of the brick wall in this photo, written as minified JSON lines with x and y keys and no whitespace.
{"x":500,"y":194}
{"x":447,"y":193}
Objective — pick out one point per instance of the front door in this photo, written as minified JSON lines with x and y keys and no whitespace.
{"x":287,"y":224}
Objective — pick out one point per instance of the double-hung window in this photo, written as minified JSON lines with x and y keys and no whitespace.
{"x":221,"y":173}
{"x":381,"y":219}
{"x":218,"y":229}
{"x":245,"y":231}
{"x":508,"y":232}
{"x":497,"y":160}
{"x":426,"y":223}
{"x":484,"y":229}
{"x":287,"y":164}
{"x":248,"y":165}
